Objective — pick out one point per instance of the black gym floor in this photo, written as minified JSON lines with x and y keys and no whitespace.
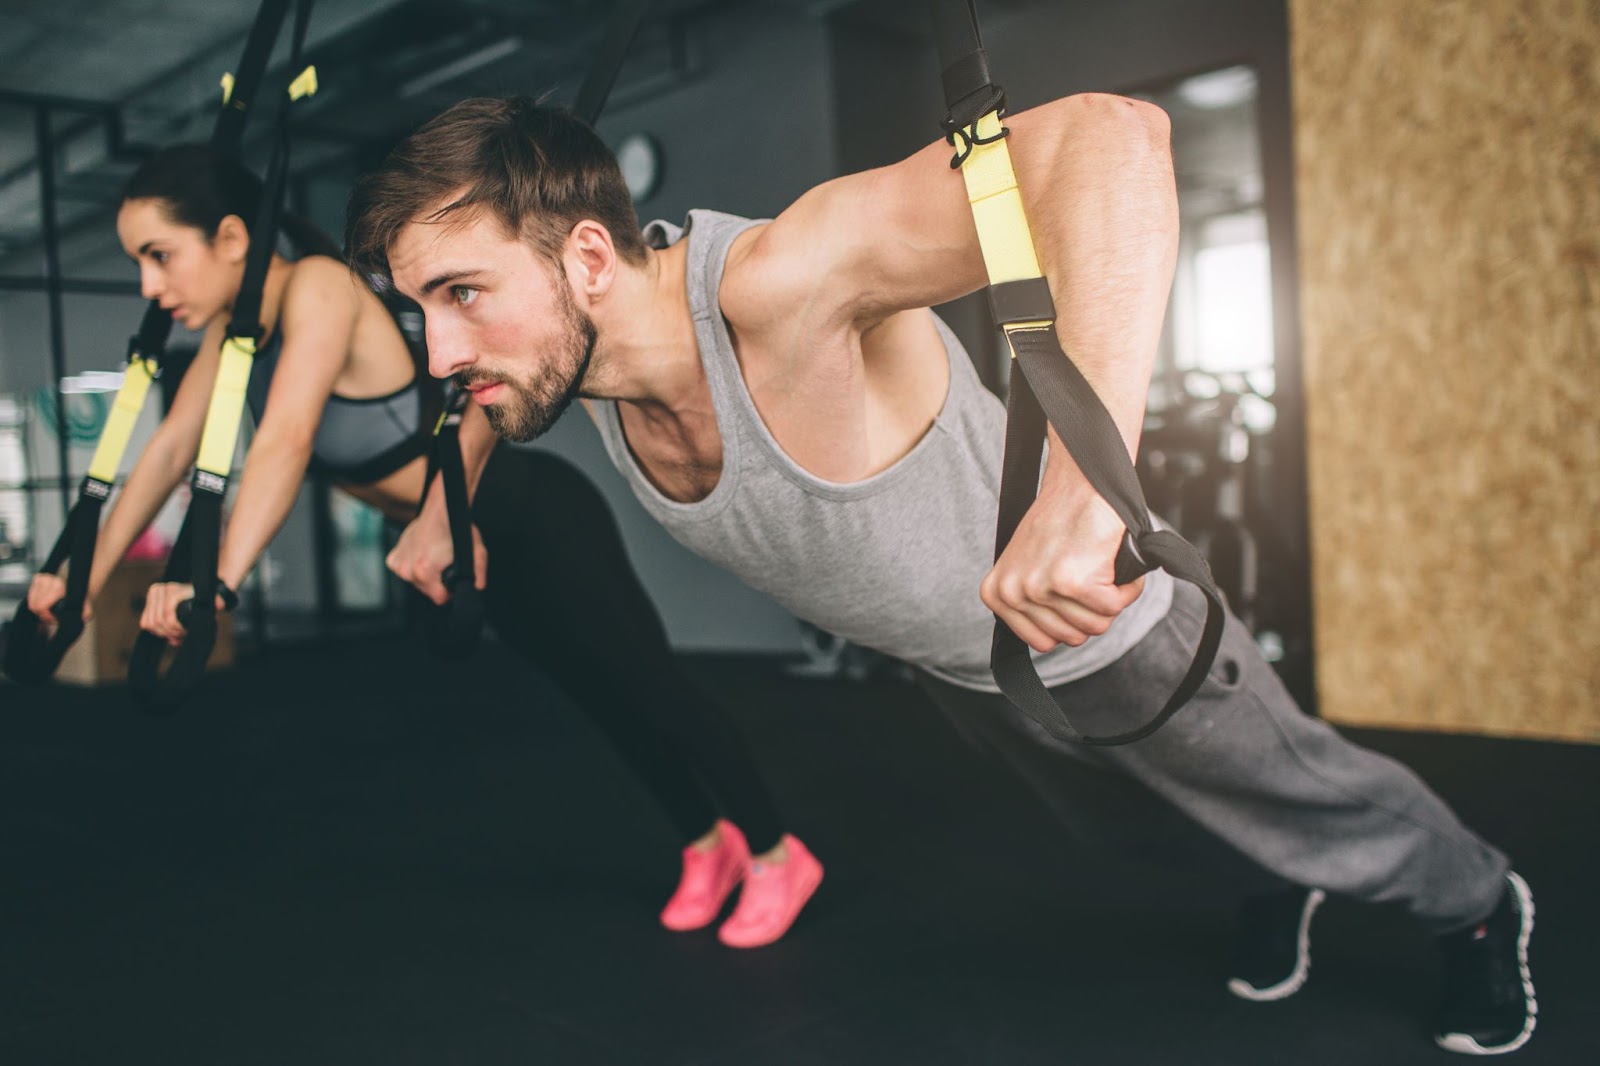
{"x":349,"y":856}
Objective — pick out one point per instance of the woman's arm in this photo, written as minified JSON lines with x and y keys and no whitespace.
{"x":163,"y":463}
{"x":320,"y":305}
{"x":317,"y":320}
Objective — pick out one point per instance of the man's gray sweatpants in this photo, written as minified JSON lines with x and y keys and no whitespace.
{"x":1244,"y":762}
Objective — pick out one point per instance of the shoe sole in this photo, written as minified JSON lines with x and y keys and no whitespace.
{"x":1302,"y":965}
{"x":1463,"y":1044}
{"x":689,"y":925}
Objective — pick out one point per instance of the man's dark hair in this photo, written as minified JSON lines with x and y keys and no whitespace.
{"x":536,"y":170}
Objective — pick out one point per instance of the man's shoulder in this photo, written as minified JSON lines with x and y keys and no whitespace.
{"x":758,"y":280}
{"x":774,"y":276}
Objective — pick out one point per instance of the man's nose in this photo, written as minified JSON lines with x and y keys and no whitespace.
{"x":447,"y":352}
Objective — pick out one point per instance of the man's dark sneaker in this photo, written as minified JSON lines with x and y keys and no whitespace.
{"x":1272,"y":944}
{"x":1488,"y":992}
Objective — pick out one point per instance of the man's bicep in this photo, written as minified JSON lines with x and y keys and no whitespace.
{"x":902,"y":236}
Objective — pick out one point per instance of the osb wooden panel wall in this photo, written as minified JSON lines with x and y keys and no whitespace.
{"x":1447,"y":161}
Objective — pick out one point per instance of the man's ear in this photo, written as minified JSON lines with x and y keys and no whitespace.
{"x":591,"y":259}
{"x":232,"y":241}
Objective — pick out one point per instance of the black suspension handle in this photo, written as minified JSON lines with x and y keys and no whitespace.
{"x":455,"y":627}
{"x":33,"y":654}
{"x":193,"y":559}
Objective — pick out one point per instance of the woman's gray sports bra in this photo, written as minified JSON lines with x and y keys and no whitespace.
{"x":358,"y":441}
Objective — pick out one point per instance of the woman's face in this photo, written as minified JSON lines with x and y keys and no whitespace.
{"x":194,"y":278}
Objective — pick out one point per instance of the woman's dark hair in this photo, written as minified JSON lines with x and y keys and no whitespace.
{"x":201,"y":186}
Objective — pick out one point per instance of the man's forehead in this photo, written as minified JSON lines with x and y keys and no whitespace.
{"x":418,"y":242}
{"x":424,"y":246}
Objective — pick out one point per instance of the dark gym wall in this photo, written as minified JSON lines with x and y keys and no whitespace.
{"x":749,"y":130}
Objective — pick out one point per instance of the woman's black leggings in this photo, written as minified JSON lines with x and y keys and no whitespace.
{"x":562,"y":593}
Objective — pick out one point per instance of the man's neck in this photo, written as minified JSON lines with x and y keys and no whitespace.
{"x":647,"y":354}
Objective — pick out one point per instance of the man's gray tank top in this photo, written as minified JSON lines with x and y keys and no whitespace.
{"x":892,"y":562}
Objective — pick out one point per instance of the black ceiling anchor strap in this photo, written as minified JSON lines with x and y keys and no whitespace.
{"x":453,"y":627}
{"x":969,"y":91}
{"x":32,"y":655}
{"x":607,"y":64}
{"x":162,"y":689}
{"x":1047,"y":387}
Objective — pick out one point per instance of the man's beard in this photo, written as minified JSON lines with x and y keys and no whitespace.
{"x":532,"y":409}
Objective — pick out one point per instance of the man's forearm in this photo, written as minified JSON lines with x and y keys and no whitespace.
{"x":1102,"y":203}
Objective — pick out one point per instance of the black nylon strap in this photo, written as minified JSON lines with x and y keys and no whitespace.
{"x":457,"y":503}
{"x":454,"y":628}
{"x":246,"y":321}
{"x":607,"y":64}
{"x":31,"y":656}
{"x":969,"y":90}
{"x":956,"y":33}
{"x":1048,"y":385}
{"x":1082,"y":422}
{"x":967,"y":75}
{"x":235,"y":111}
{"x":162,"y":691}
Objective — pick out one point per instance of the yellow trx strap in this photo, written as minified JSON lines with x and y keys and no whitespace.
{"x":997,"y":207}
{"x":227,"y":406}
{"x":124,"y":415}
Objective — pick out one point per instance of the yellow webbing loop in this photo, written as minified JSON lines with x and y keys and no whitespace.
{"x":996,"y":202}
{"x":227,"y":87}
{"x":227,"y":406}
{"x":305,"y":84}
{"x":119,"y":424}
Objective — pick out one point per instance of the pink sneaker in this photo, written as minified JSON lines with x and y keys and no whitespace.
{"x":708,"y":877}
{"x":772,"y":898}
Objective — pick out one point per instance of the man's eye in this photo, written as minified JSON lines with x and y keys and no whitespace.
{"x":159,"y":257}
{"x":464,"y":295}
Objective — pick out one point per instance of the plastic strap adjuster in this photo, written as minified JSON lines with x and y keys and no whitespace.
{"x":1025,"y":300}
